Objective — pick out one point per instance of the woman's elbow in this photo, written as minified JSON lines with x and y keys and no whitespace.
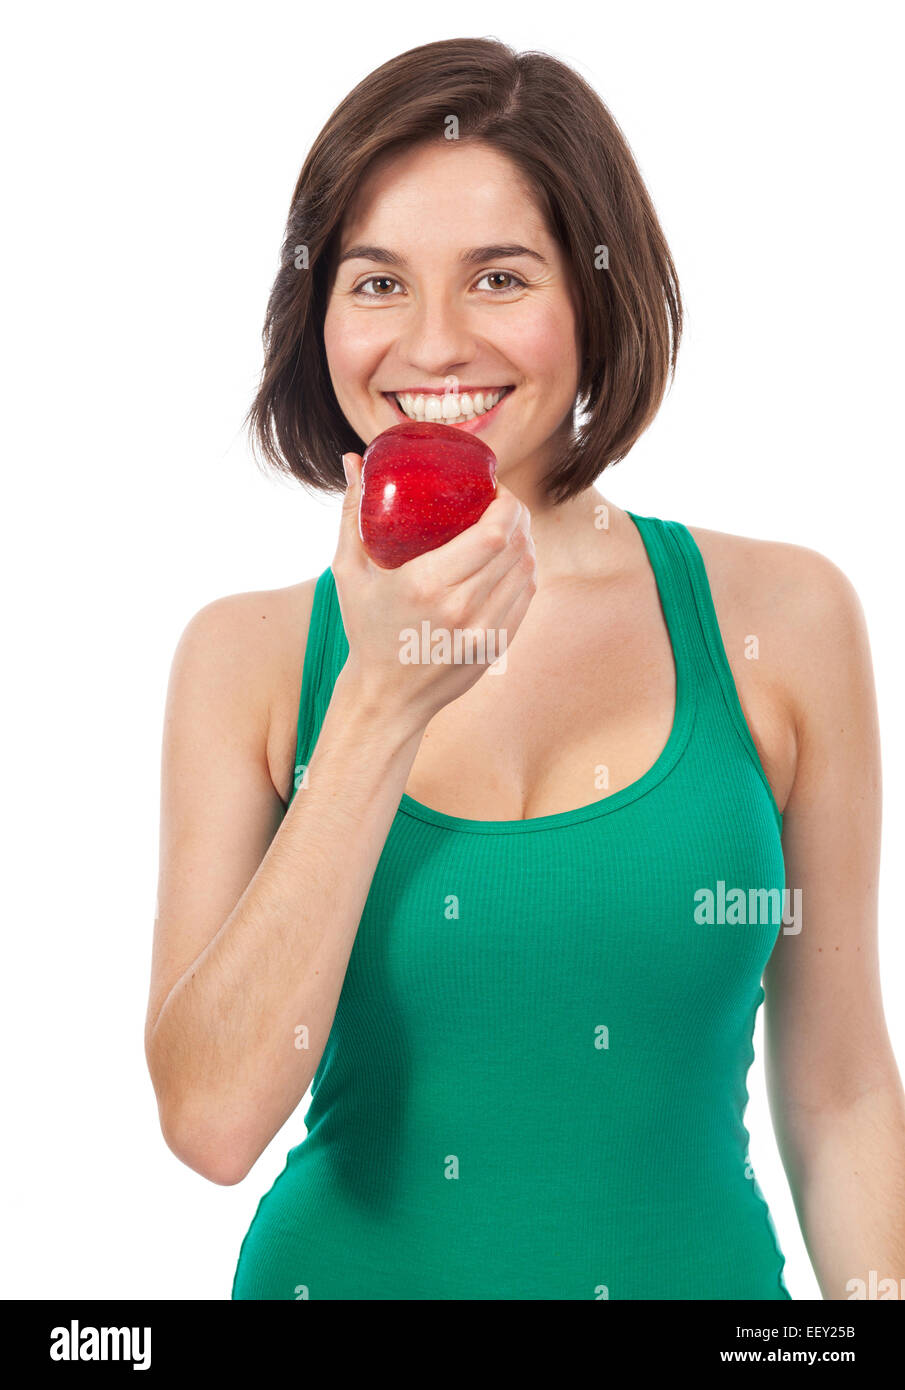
{"x":219,"y":1158}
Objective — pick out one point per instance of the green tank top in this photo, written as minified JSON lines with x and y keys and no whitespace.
{"x":535,"y":1082}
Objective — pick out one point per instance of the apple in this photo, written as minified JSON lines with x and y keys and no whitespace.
{"x":421,"y":484}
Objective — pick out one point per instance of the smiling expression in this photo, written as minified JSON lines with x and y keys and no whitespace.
{"x":452,"y":301}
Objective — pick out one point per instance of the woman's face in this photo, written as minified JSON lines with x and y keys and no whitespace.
{"x":448,"y":283}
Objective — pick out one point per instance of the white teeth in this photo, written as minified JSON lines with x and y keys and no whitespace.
{"x":449,"y":408}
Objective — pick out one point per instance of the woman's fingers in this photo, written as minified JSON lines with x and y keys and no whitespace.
{"x":349,"y":549}
{"x":509,"y":599}
{"x":472,"y":563}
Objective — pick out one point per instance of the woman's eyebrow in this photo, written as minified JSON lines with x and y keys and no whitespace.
{"x":475,"y":256}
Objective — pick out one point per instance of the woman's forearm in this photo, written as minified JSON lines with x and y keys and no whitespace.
{"x":241,"y":1034}
{"x":848,"y":1181}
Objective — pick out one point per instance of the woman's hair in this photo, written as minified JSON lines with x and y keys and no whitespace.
{"x":553,"y":126}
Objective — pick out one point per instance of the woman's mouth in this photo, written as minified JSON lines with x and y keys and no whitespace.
{"x":466,"y":410}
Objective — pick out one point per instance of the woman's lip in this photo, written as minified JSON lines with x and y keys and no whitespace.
{"x":471,"y":426}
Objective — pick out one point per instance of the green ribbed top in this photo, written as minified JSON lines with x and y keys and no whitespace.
{"x":535,"y":1082}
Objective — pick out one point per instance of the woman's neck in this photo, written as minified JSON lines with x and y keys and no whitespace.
{"x":585,"y":537}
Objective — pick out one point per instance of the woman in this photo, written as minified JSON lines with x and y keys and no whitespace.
{"x":513,"y":923}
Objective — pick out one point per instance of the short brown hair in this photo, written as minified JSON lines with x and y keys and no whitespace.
{"x":554,"y":127}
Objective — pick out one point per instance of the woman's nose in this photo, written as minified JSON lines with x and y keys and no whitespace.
{"x":436,"y":336}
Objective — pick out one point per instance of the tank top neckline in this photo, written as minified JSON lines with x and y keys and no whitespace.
{"x":683,"y":720}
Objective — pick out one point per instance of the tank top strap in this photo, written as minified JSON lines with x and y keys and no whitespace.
{"x":688,"y":600}
{"x":666,"y":553}
{"x":325,"y":655}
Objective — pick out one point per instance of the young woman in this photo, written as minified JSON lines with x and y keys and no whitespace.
{"x":513,"y":923}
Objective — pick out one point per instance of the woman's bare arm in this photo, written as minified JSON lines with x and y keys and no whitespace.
{"x":222,"y":1045}
{"x":257,"y":910}
{"x":834,"y":1088}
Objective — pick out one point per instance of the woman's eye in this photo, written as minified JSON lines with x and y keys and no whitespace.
{"x":514,"y":282}
{"x":372,"y":280}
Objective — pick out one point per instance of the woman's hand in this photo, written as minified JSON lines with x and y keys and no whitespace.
{"x":483,"y":580}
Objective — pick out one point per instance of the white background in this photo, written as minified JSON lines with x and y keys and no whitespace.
{"x":151,"y":152}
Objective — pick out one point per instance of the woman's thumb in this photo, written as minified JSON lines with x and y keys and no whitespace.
{"x":349,"y":538}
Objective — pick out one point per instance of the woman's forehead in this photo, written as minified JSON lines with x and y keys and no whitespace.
{"x":462,"y":196}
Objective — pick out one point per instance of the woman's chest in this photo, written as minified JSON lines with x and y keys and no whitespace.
{"x":675,"y":898}
{"x":570,"y":719}
{"x":582,"y":707}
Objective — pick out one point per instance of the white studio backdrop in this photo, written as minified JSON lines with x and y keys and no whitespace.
{"x":152,"y":151}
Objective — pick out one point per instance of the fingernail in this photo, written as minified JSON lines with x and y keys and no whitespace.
{"x":345,"y":470}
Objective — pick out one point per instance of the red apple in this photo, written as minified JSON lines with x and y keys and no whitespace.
{"x":421,"y":484}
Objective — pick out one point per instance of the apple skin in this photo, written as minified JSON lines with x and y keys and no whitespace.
{"x":421,"y":484}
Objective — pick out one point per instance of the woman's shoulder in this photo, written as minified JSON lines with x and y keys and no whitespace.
{"x":243,"y":653}
{"x":799,"y":604}
{"x":768,"y":576}
{"x":248,"y":646}
{"x":253,"y":626}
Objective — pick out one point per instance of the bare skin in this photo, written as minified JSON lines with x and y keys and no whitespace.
{"x":258,"y":906}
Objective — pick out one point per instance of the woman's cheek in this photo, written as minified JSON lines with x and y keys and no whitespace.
{"x":544,"y":345}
